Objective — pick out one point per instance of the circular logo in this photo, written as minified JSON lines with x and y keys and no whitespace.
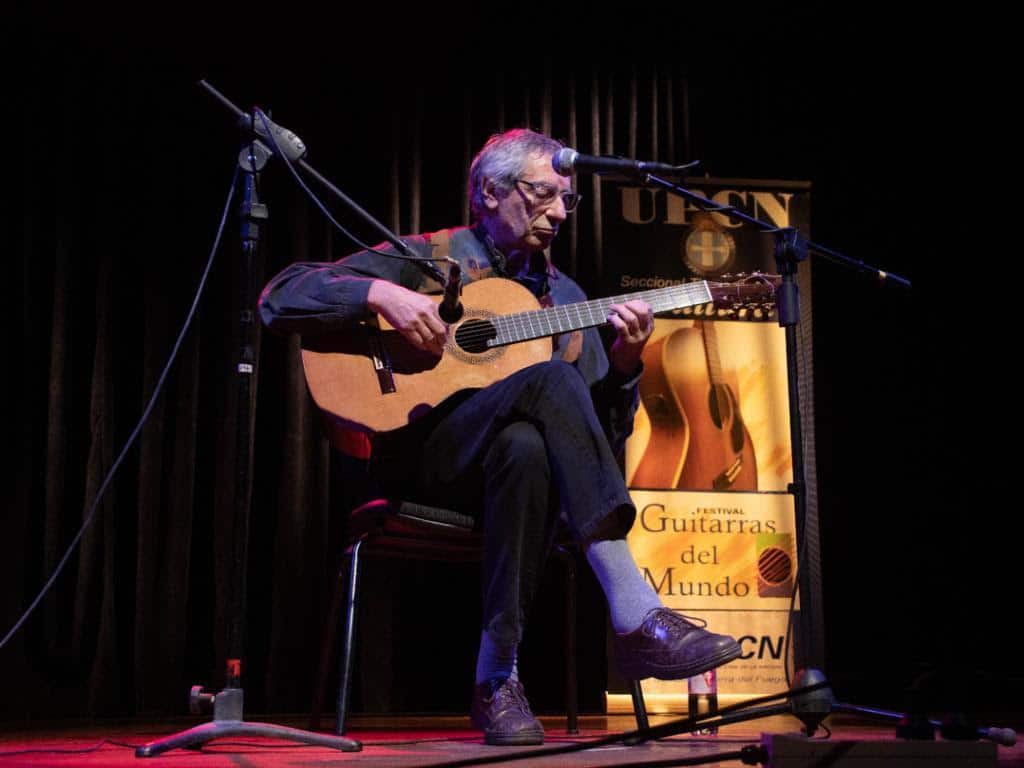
{"x":708,"y":249}
{"x":774,"y":565}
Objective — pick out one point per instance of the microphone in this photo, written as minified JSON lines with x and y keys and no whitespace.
{"x":567,"y":161}
{"x":451,"y":308}
{"x":287,"y":142}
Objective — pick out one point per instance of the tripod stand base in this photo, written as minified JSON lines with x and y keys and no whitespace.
{"x":791,"y":751}
{"x":227,"y":721}
{"x":194,"y":738}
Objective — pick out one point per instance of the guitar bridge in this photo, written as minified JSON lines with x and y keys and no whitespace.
{"x":728,"y":475}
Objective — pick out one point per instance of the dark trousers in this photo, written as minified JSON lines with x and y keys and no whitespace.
{"x":519,"y":455}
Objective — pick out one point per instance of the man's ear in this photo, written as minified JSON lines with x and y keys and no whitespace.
{"x":491,"y":194}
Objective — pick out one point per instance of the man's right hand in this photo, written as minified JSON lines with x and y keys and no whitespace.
{"x":412,"y":314}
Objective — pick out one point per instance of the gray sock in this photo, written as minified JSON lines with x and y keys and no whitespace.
{"x":630,"y":597}
{"x":495,"y":660}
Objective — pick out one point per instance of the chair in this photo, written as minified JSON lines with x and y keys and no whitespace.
{"x":387,"y":528}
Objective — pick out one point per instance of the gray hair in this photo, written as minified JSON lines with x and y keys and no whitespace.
{"x":503,"y":160}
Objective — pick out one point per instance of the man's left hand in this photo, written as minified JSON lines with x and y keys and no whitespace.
{"x":634,"y":321}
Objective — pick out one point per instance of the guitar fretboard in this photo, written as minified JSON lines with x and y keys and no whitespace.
{"x":564,"y":318}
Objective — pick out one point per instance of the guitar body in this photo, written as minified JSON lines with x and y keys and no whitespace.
{"x":698,"y":438}
{"x":346,"y":381}
{"x":663,"y":457}
{"x":720,"y":455}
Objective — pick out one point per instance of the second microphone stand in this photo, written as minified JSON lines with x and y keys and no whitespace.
{"x":228,"y":703}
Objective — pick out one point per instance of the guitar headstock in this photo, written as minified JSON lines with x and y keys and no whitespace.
{"x":745,"y":295}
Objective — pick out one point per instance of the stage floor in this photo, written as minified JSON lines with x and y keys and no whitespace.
{"x":435,"y":741}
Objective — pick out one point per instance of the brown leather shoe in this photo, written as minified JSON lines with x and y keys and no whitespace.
{"x":670,"y":647}
{"x":501,"y":710}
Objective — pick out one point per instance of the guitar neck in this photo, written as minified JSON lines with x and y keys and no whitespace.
{"x":564,"y":318}
{"x":714,"y":362}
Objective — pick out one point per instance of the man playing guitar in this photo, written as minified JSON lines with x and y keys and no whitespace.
{"x":522,"y":453}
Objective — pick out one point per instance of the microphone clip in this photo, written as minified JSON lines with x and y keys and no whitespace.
{"x":451,"y":309}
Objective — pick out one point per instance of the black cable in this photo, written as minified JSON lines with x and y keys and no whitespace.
{"x":138,"y":427}
{"x":124,"y":744}
{"x":633,"y":737}
{"x":69,"y":750}
{"x":751,"y":755}
{"x":55,"y":750}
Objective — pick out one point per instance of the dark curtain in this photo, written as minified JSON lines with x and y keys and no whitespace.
{"x":121,"y":170}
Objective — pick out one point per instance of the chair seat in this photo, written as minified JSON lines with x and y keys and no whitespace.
{"x":386,"y":513}
{"x":416,"y":530}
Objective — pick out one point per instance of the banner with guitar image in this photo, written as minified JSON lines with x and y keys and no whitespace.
{"x":713,"y":408}
{"x":709,"y":462}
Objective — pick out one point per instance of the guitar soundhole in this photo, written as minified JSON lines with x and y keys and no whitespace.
{"x":472,"y":336}
{"x":723,"y":414}
{"x":658,"y":408}
{"x":720,"y":405}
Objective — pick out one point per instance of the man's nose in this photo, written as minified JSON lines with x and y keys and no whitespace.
{"x":557,"y":211}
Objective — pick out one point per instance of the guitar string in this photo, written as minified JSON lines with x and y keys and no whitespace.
{"x":525,"y":323}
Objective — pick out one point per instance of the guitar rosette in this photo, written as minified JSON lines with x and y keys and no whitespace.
{"x":775,"y":564}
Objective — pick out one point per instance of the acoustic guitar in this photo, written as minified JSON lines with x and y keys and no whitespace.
{"x":698,"y":438}
{"x":369,"y":378}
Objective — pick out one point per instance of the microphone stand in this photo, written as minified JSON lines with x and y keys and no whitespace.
{"x":791,"y":247}
{"x":812,"y":701}
{"x":292,"y":149}
{"x":228,"y":703}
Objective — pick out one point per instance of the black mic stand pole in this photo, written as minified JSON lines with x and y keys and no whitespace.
{"x":228,"y":703}
{"x":790,"y":249}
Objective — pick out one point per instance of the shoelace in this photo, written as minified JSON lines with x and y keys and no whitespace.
{"x":678,"y":622}
{"x":511,"y":694}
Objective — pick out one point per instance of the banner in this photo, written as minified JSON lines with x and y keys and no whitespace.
{"x":710,"y":459}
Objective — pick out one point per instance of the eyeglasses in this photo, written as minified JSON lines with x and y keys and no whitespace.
{"x":542,"y":193}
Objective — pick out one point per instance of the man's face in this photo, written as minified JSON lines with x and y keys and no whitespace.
{"x":527,"y":216}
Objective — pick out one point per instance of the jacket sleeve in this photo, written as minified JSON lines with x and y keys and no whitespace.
{"x":310,"y":297}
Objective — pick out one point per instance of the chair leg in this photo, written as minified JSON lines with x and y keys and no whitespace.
{"x":327,"y":651}
{"x":348,"y":638}
{"x":639,"y":708}
{"x":572,"y":726}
